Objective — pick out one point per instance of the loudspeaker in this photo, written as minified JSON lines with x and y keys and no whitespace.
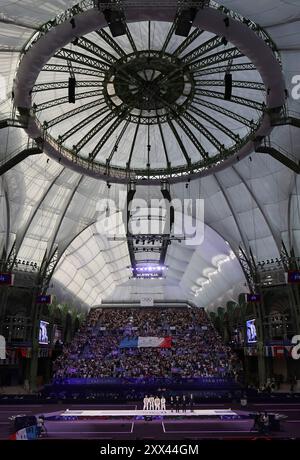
{"x":72,"y":85}
{"x":228,"y":86}
{"x":185,"y":21}
{"x":115,"y":21}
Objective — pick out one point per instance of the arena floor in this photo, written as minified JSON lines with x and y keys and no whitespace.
{"x":131,"y":428}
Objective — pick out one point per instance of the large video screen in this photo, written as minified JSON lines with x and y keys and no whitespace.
{"x":44,"y":333}
{"x":251,"y":331}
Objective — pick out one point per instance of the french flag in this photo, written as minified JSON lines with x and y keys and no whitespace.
{"x":146,"y":342}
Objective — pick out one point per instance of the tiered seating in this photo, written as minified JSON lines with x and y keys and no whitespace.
{"x":196,"y":351}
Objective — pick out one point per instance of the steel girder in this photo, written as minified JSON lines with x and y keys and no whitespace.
{"x":212,"y":139}
{"x":192,"y":137}
{"x":186,"y":43}
{"x":132,"y":146}
{"x":80,"y":58}
{"x":64,"y":100}
{"x":236,"y":84}
{"x":65,"y":84}
{"x":202,"y":49}
{"x":180,"y":143}
{"x":238,"y":100}
{"x":111,"y":42}
{"x":222,"y":56}
{"x":107,"y":134}
{"x":223,"y":69}
{"x":215,"y":123}
{"x":117,"y":142}
{"x":76,"y":70}
{"x":220,"y":109}
{"x":71,"y":113}
{"x":83,"y":123}
{"x":95,"y":49}
{"x":96,"y":130}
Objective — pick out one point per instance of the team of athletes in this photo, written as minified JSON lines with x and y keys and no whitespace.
{"x":177,"y":403}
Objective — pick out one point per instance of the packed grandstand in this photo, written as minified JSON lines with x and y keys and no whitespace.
{"x":105,"y":346}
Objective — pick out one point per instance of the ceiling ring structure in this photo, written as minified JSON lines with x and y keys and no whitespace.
{"x":146,"y":95}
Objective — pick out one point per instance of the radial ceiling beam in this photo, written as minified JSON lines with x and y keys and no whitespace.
{"x":169,"y":35}
{"x":95,"y":130}
{"x":6,"y":166}
{"x":224,"y":69}
{"x":130,"y":38}
{"x":133,"y":145}
{"x":281,"y":157}
{"x":9,"y":49}
{"x":65,"y":84}
{"x":76,"y":70}
{"x":80,"y":58}
{"x":192,"y":137}
{"x":236,"y":84}
{"x":64,"y":100}
{"x":111,"y":42}
{"x":223,"y":111}
{"x":108,"y":133}
{"x":212,"y":139}
{"x":222,"y":56}
{"x":180,"y":143}
{"x":164,"y":143}
{"x":188,"y":41}
{"x":79,"y":126}
{"x":238,"y":100}
{"x":115,"y":149}
{"x":76,"y":111}
{"x":215,"y":123}
{"x":202,"y":49}
{"x":92,"y":48}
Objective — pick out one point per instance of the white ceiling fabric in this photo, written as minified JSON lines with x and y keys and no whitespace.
{"x":254,"y":203}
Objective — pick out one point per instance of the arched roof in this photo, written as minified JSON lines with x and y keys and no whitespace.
{"x":253,"y":202}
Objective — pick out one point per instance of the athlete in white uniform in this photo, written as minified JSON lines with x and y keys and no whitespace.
{"x":146,"y":403}
{"x":151,"y":403}
{"x":157,"y":403}
{"x":163,"y":403}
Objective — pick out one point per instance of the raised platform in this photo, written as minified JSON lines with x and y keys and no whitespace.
{"x":148,"y":413}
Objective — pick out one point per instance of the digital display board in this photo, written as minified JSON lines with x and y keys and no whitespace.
{"x":44,"y":333}
{"x":251,"y":331}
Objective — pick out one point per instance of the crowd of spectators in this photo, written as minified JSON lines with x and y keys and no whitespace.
{"x":197,"y":350}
